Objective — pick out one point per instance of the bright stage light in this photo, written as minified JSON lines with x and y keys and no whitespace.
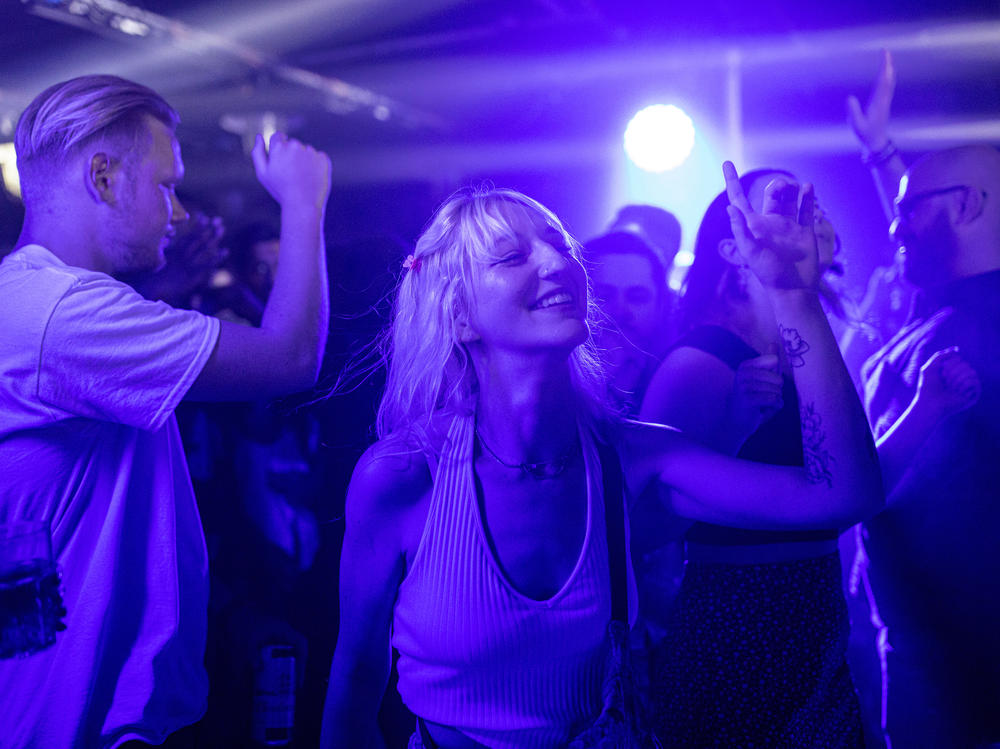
{"x":659,"y":138}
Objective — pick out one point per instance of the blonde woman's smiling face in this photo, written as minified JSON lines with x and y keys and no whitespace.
{"x":531,"y":294}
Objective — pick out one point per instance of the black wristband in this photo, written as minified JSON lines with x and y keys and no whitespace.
{"x":874,"y":159}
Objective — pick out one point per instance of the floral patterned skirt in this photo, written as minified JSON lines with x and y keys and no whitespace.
{"x":755,"y":657}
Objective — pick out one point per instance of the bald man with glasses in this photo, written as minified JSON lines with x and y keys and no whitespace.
{"x":933,"y":561}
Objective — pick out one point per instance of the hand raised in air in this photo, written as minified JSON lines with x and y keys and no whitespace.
{"x":292,"y":172}
{"x":871,"y":124}
{"x":779,"y":242}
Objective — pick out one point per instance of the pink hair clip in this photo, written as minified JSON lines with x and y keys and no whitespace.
{"x":412,"y":263}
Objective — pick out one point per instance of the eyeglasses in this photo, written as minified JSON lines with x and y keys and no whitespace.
{"x":905,"y":206}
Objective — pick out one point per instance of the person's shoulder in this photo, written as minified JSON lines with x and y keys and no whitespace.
{"x":692,"y":358}
{"x":33,"y":283}
{"x":33,"y":267}
{"x":686,"y":377}
{"x":93,"y":298}
{"x":392,"y":474}
{"x":714,"y":342}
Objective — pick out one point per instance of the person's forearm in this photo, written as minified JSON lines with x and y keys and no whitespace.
{"x":900,"y":443}
{"x":349,"y":722}
{"x":837,"y":445}
{"x":298,"y":307}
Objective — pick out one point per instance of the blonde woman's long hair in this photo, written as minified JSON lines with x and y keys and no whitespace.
{"x":429,"y":368}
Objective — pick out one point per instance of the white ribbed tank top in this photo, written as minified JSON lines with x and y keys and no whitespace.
{"x":474,"y":653}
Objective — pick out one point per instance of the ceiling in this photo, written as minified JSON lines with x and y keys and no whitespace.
{"x":449,"y":90}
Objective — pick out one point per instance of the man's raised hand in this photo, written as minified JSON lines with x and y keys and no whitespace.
{"x":292,"y":172}
{"x":871,"y":124}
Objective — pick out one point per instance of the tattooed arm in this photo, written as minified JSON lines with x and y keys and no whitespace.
{"x":837,"y":447}
{"x":841,"y":481}
{"x":840,"y":484}
{"x":779,"y":245}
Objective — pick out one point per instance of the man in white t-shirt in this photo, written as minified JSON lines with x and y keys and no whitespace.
{"x":90,"y":375}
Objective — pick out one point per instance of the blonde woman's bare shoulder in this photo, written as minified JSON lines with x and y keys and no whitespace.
{"x":397,"y":470}
{"x":392,"y":473}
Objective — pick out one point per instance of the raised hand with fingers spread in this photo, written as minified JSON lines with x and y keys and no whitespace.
{"x":779,"y":242}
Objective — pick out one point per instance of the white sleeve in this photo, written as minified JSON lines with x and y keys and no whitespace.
{"x":109,"y":354}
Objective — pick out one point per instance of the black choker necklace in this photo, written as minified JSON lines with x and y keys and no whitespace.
{"x":546,"y":469}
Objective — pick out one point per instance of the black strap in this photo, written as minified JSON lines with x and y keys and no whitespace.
{"x":614,"y":521}
{"x":425,"y":736}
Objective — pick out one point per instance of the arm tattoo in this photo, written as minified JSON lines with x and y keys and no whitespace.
{"x":795,"y":347}
{"x":817,"y":459}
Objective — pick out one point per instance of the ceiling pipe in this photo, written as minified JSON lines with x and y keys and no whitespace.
{"x":116,"y":18}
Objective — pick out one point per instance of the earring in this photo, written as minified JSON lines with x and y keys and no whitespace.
{"x":742,"y":275}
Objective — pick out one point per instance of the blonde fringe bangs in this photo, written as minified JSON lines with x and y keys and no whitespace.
{"x":429,"y":370}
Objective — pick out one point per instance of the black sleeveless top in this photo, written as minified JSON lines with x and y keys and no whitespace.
{"x":778,"y":441}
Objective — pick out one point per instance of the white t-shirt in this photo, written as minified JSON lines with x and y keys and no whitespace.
{"x":90,"y":375}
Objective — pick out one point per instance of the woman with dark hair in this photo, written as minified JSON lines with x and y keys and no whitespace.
{"x":754,"y":652}
{"x":475,"y":541}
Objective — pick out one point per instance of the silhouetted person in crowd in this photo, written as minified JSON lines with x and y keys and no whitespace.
{"x":630,"y":288}
{"x":91,"y":375}
{"x":11,"y":216}
{"x":934,"y":566}
{"x":656,"y":226}
{"x":256,"y":473}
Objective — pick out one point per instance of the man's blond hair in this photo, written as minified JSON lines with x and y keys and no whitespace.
{"x":68,"y":116}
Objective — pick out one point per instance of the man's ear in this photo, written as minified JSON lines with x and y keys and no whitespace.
{"x":730,"y":252}
{"x":100,"y":177}
{"x":969,"y":205}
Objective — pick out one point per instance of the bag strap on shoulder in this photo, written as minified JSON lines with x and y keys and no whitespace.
{"x":614,"y":520}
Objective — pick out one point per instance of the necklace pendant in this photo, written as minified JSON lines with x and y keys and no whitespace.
{"x":546,"y":470}
{"x":539,"y":471}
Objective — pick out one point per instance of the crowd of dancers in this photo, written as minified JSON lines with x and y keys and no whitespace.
{"x":798,"y":566}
